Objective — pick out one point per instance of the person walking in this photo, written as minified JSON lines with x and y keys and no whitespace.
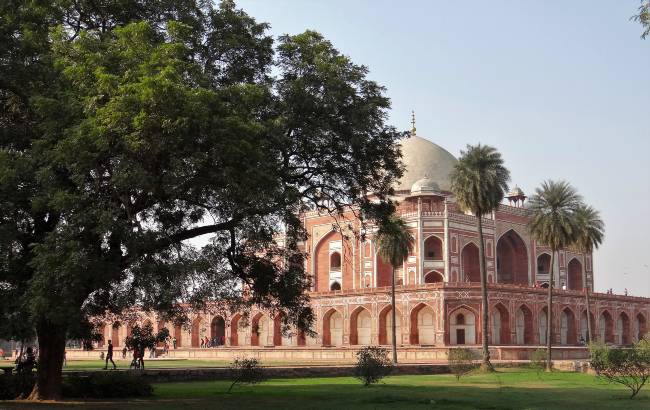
{"x":109,"y":356}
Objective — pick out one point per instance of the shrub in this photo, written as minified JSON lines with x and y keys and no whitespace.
{"x":16,"y":386}
{"x":372,"y":365}
{"x":246,"y":371}
{"x":461,"y":361}
{"x":627,"y":366}
{"x":106,"y":385}
{"x":538,"y":360}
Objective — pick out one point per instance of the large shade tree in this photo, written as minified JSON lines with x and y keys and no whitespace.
{"x":130,"y":128}
{"x":554,"y":224}
{"x":479,"y":181}
{"x":394,"y":242}
{"x":590,"y":234}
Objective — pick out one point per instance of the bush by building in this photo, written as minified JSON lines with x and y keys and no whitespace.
{"x":372,"y":365}
{"x":246,"y":371}
{"x":462,"y":361}
{"x":629,"y":367}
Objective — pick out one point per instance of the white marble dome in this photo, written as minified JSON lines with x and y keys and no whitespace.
{"x":423,"y":158}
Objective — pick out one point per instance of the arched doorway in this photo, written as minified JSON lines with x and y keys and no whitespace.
{"x":423,"y":330}
{"x":641,"y":328}
{"x":500,"y":330}
{"x":433,"y":277}
{"x":512,"y":259}
{"x":218,"y":330}
{"x":178,"y":335}
{"x":386,"y":326}
{"x":623,"y":329}
{"x":470,"y":263}
{"x":543,"y":264}
{"x":115,"y":334}
{"x":575,"y":275}
{"x":542,"y":324}
{"x":433,"y":249}
{"x":567,"y":327}
{"x":524,"y":326}
{"x":606,"y":328}
{"x":584,"y":334}
{"x":197,"y":332}
{"x":260,"y":330}
{"x":332,"y":328}
{"x":462,"y":327}
{"x":360,"y":327}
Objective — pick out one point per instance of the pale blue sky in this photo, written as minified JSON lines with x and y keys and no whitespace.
{"x":561,"y":88}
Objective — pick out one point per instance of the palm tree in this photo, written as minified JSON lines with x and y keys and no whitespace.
{"x":590,"y":234}
{"x":554,"y":224}
{"x":479,"y":181}
{"x":393,"y":242}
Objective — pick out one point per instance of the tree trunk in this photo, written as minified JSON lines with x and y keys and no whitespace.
{"x":486,"y":365}
{"x":394,"y":315}
{"x":549,"y":317}
{"x":51,"y":347}
{"x":589,"y":335}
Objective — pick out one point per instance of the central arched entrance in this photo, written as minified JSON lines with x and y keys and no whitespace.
{"x":462,"y":327}
{"x":512,"y":259}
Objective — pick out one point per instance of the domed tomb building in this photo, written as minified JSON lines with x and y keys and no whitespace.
{"x":438,"y":295}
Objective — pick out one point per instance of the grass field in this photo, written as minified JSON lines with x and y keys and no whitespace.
{"x":507,"y":389}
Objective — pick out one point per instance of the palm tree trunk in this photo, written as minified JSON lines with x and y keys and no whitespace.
{"x":394,"y":315}
{"x":549,"y":317}
{"x":486,"y":365}
{"x":589,"y":335}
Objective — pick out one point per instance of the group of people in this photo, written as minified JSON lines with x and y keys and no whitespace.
{"x":216,"y":341}
{"x":136,"y":363}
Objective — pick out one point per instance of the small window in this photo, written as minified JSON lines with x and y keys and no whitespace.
{"x":460,"y":319}
{"x":335,"y":261}
{"x":335,"y":286}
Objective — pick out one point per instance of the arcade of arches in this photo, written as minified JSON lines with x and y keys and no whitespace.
{"x":421,"y":325}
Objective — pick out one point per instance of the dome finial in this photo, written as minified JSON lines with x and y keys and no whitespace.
{"x":412,"y":122}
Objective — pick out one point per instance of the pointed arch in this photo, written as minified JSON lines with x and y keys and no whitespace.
{"x":218,"y":330}
{"x":606,"y":327}
{"x":433,"y":248}
{"x":422,"y":330}
{"x":623,"y":329}
{"x":512,"y":259}
{"x":543,"y":263}
{"x":641,"y":328}
{"x":584,"y":334}
{"x":462,"y":326}
{"x":433,"y":277}
{"x":360,"y":326}
{"x":500,"y":329}
{"x":115,"y":334}
{"x":322,"y":260}
{"x":542,"y":325}
{"x":575,"y":275}
{"x":524,"y":325}
{"x":469,"y":257}
{"x":386,"y":326}
{"x":332,"y":328}
{"x":568,"y":327}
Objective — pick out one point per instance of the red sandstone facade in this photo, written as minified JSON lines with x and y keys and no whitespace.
{"x":438,"y":293}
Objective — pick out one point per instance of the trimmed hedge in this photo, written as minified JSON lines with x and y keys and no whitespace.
{"x":98,"y":385}
{"x":109,"y":384}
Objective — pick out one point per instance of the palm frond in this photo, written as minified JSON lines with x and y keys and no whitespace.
{"x":479,"y":179}
{"x":554,"y":207}
{"x":393,"y":241}
{"x":591,"y":228}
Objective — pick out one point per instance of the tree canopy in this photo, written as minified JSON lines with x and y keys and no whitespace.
{"x":130,"y":128}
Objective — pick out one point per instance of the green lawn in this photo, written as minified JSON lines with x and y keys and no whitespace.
{"x":507,"y":389}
